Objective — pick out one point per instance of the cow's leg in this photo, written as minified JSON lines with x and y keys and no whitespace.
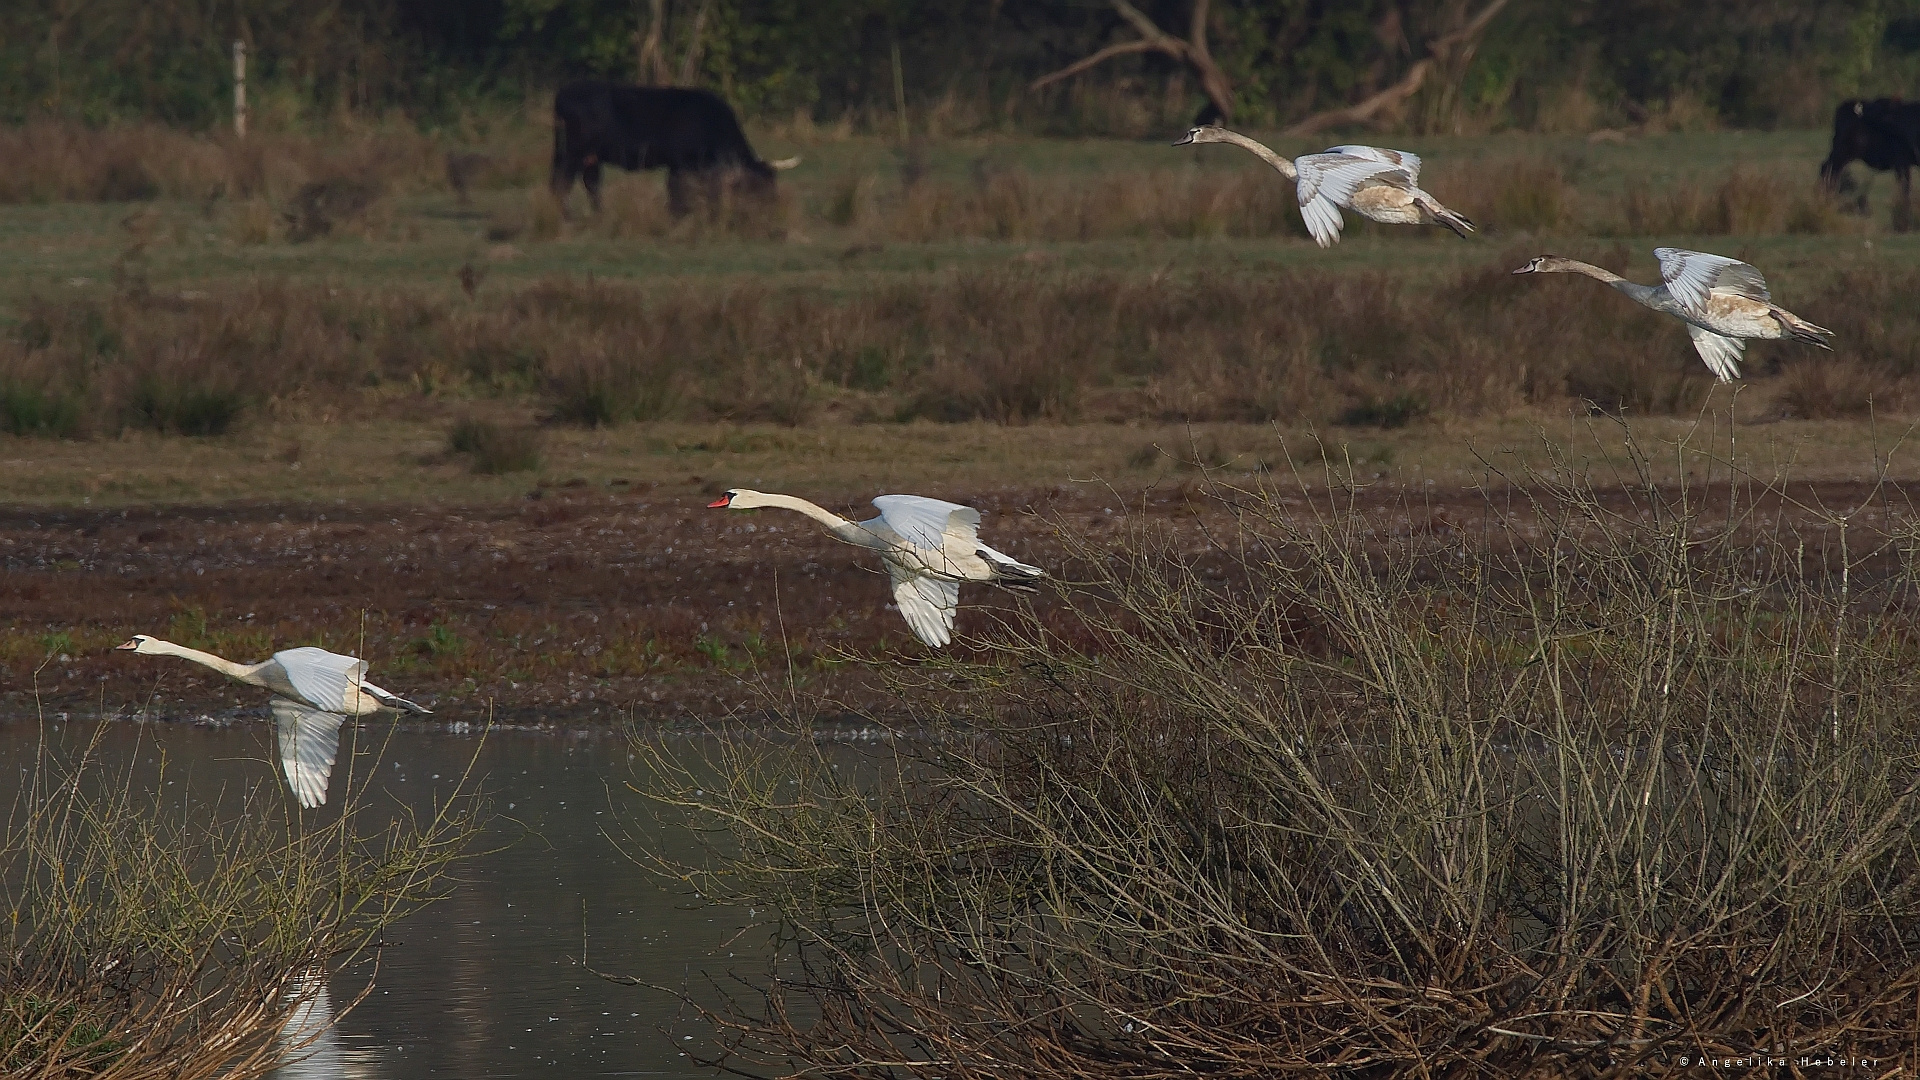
{"x":565,"y":169}
{"x":590,"y":176}
{"x":679,"y":200}
{"x":1903,"y":210}
{"x":561,"y":184}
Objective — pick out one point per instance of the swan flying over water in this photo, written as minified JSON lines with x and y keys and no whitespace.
{"x":1723,"y":302}
{"x":1381,"y":185}
{"x":313,"y":692}
{"x":929,"y":547}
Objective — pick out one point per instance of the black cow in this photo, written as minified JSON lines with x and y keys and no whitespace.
{"x":692,"y":134}
{"x":1884,"y":133}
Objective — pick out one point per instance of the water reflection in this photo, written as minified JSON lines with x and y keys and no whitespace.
{"x":313,"y":1045}
{"x":487,"y":983}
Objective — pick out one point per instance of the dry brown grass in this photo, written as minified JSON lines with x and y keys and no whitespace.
{"x":1743,"y":203}
{"x":49,"y":161}
{"x":1016,"y":345}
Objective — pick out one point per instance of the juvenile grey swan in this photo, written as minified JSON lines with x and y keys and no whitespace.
{"x":313,"y":691}
{"x":1381,"y":185}
{"x":1722,"y":301}
{"x":929,"y":547}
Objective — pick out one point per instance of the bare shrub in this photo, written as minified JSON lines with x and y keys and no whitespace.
{"x":153,"y":935}
{"x":1508,"y":798}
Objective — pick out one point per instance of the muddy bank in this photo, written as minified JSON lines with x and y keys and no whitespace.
{"x":580,"y":606}
{"x":574,"y":606}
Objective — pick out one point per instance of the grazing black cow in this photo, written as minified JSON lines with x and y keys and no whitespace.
{"x":1884,"y":133}
{"x":690,"y":133}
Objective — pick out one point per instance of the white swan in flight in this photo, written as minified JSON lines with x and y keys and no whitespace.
{"x":313,"y":691}
{"x":1382,"y":185}
{"x":1723,"y":301}
{"x":929,"y":547}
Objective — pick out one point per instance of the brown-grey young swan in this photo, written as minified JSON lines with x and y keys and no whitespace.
{"x":313,"y":691}
{"x":1723,"y":301}
{"x":1381,"y":185}
{"x":929,"y":547}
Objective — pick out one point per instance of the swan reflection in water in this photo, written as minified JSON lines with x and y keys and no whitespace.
{"x":311,"y":1042}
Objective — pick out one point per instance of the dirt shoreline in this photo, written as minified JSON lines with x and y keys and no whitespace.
{"x":578,"y":608}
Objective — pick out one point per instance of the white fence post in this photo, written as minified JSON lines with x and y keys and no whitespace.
{"x":240,"y":88}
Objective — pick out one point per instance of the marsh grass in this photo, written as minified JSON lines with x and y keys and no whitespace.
{"x":1603,"y":777}
{"x":152,"y":934}
{"x":1026,"y":343}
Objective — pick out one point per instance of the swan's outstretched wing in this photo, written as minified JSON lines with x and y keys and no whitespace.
{"x":1401,"y":159}
{"x":932,"y":527}
{"x":929,"y":603}
{"x":1328,"y":181}
{"x":1691,"y":275}
{"x":1323,"y":221}
{"x":321,"y":678}
{"x":309,"y":741}
{"x":1722,"y":353}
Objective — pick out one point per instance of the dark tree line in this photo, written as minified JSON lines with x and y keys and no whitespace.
{"x":1415,"y":63}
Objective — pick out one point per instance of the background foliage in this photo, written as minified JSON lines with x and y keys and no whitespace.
{"x":1553,"y":64}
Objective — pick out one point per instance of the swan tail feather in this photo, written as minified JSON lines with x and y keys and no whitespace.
{"x":1800,"y":329}
{"x":394,"y":701}
{"x":1010,"y":572}
{"x":1457,"y":222}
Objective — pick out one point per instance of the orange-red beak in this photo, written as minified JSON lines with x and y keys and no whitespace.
{"x":131,"y":643}
{"x":719,"y":502}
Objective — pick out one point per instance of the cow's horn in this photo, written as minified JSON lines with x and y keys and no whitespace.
{"x":785,"y":162}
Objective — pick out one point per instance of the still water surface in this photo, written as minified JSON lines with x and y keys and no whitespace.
{"x":488,"y":983}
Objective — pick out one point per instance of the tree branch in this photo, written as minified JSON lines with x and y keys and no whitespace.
{"x":1408,"y":85}
{"x":1150,"y":29}
{"x":1193,"y":53}
{"x":1084,"y":63}
{"x":1439,"y":50}
{"x":690,"y":62}
{"x":1197,"y":34}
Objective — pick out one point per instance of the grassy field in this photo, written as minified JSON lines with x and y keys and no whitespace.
{"x":1024,"y":310}
{"x":397,"y":462}
{"x":1140,"y":206}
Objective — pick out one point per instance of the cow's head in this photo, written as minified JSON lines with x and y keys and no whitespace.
{"x":1852,"y":137}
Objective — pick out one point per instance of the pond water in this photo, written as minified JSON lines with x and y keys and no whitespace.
{"x":488,"y":983}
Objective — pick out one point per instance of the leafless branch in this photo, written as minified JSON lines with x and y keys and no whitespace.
{"x":1192,"y":52}
{"x":1457,"y":43}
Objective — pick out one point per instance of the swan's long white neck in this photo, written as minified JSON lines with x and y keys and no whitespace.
{"x":247,"y":673}
{"x":1575,"y":266}
{"x":850,"y":531}
{"x":1280,"y":164}
{"x":1650,"y":294}
{"x":818,"y":513}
